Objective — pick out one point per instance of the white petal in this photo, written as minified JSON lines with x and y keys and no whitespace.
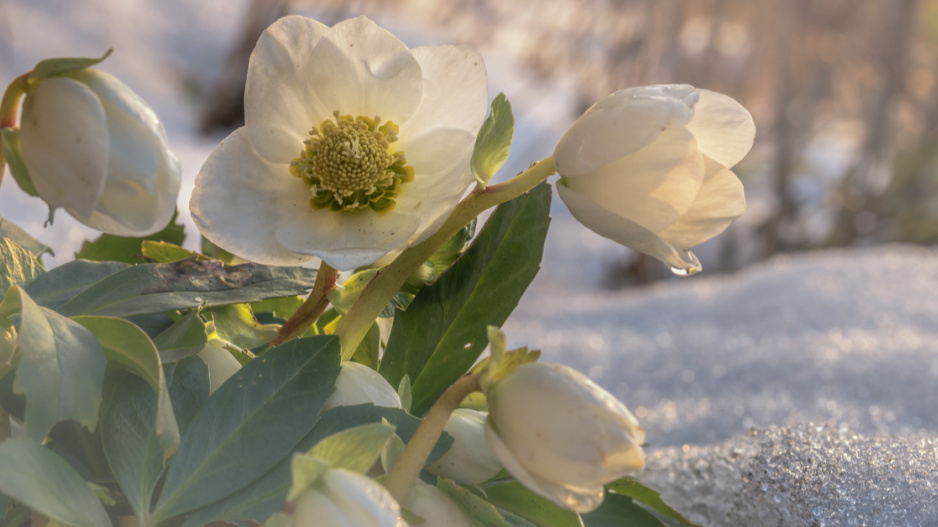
{"x":723,"y":128}
{"x":359,"y":68}
{"x":455,"y":87}
{"x":437,"y":151}
{"x":65,"y":144}
{"x":721,"y":200}
{"x":620,"y":124}
{"x":281,"y":103}
{"x":581,"y":500}
{"x":346,"y":240}
{"x":239,"y":199}
{"x":363,"y":501}
{"x":359,"y":384}
{"x":624,"y":231}
{"x":652,"y":187}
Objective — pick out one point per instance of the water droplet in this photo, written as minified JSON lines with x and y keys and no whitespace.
{"x":198,"y":299}
{"x":691,"y":265}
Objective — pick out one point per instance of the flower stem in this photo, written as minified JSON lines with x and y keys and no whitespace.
{"x":411,"y":461}
{"x":354,"y":325}
{"x":8,"y":107}
{"x":312,"y":308}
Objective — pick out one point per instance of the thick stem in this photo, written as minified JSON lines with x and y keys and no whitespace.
{"x":411,"y":461}
{"x":312,"y":308}
{"x":353,"y":327}
{"x":8,"y":108}
{"x":4,"y":425}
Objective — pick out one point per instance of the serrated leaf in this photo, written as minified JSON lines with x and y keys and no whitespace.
{"x":156,"y":288}
{"x":60,"y":369}
{"x":48,"y":484}
{"x":184,"y":338}
{"x":127,"y":429}
{"x":10,"y":230}
{"x":443,"y":331}
{"x":111,"y":248}
{"x":17,"y":265}
{"x":650,"y":497}
{"x":494,"y":141}
{"x":165,"y":252}
{"x":258,"y":418}
{"x":60,"y":66}
{"x":515,"y":497}
{"x":267,"y":495}
{"x":64,"y":282}
{"x":125,"y":344}
{"x":13,"y":154}
{"x":236,"y":324}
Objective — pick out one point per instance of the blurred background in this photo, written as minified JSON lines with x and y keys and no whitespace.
{"x":844,"y":95}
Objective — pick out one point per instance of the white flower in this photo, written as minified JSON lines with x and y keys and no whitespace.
{"x":470,"y":460}
{"x":648,"y":167}
{"x":354,"y":145}
{"x":342,"y":498}
{"x":562,"y":435}
{"x":359,"y":384}
{"x":436,"y":508}
{"x":96,"y":149}
{"x":221,"y":363}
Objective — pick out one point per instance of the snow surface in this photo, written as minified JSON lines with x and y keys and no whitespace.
{"x":801,"y":391}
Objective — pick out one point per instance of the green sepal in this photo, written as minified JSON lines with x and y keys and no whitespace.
{"x":13,"y":154}
{"x":501,"y":363}
{"x":493,"y":142}
{"x":62,"y":66}
{"x":405,"y":393}
{"x":236,"y":324}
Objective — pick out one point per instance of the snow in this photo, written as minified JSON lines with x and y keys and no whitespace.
{"x":800,"y":391}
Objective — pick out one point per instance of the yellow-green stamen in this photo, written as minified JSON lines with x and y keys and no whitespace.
{"x":348,"y":165}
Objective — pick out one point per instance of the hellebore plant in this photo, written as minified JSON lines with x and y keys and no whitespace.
{"x":188,"y":389}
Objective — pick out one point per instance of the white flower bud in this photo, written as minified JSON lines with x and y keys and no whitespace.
{"x":342,"y":498}
{"x":221,"y":363}
{"x":561,"y":434}
{"x":436,"y":507}
{"x":95,"y":148}
{"x":470,"y":460}
{"x":648,"y":167}
{"x":359,"y":384}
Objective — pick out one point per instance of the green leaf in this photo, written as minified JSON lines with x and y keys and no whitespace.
{"x":356,"y":449}
{"x":443,"y":331}
{"x":450,"y":251}
{"x":250,"y":424}
{"x":515,"y":497}
{"x":278,"y":307}
{"x":48,"y":484}
{"x":17,"y":265}
{"x":60,"y":369}
{"x":476,"y":506}
{"x":405,"y":393}
{"x":217,"y":253}
{"x":129,"y":435}
{"x":110,"y":248}
{"x":10,"y":230}
{"x":61,"y":66}
{"x":619,"y":510}
{"x":184,"y":338}
{"x":267,"y":495}
{"x":62,"y":283}
{"x":13,"y":154}
{"x":155,"y":288}
{"x":369,"y":348}
{"x":494,"y":141}
{"x":127,"y":345}
{"x":650,"y":497}
{"x":165,"y":252}
{"x":236,"y":324}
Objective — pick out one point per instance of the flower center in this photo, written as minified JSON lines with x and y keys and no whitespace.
{"x":348,"y":166}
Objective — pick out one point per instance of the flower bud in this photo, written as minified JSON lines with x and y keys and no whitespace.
{"x":359,"y":384}
{"x":221,"y":363}
{"x":561,"y":434}
{"x":436,"y":507}
{"x":96,"y":149}
{"x":648,"y":167}
{"x":470,"y":460}
{"x":342,"y":498}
